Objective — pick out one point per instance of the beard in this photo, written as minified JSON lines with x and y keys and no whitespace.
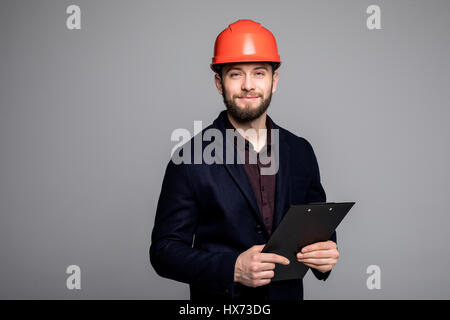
{"x":246,"y":114}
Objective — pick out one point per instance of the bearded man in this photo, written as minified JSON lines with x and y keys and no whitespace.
{"x":213,"y":220}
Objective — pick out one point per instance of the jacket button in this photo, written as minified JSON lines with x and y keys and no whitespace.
{"x":258,"y":229}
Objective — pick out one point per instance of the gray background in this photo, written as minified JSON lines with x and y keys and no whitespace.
{"x":86,"y":117}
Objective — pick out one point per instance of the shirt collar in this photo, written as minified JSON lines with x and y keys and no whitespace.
{"x":269,"y":126}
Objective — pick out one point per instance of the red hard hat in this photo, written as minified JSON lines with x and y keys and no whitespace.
{"x":245,"y":41}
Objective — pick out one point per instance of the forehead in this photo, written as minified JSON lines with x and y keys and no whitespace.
{"x":246,"y":66}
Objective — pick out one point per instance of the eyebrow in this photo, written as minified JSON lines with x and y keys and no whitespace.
{"x":236,"y":68}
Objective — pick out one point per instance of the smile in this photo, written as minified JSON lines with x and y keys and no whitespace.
{"x":249,"y":98}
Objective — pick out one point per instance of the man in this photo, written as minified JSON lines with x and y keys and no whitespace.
{"x":213,"y":220}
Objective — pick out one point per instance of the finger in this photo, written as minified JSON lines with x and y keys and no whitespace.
{"x":319,"y":254}
{"x":265,"y":266}
{"x":264,"y":275}
{"x":259,"y":267}
{"x":274,"y":258}
{"x":311,"y":265}
{"x":258,"y":248}
{"x":262,"y":282}
{"x":318,"y":262}
{"x":316,"y":266}
{"x":324,"y":245}
{"x":320,"y":268}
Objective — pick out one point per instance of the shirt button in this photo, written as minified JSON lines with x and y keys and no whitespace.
{"x":258,"y":229}
{"x":262,"y":188}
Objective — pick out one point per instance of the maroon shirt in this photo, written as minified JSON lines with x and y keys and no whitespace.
{"x":263,"y":185}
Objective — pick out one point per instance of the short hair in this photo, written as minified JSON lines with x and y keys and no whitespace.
{"x":218,"y":67}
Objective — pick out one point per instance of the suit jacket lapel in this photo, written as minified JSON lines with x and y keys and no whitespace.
{"x":282,"y":191}
{"x":240,"y":177}
{"x":238,"y":173}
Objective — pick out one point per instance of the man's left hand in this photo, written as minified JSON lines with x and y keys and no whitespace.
{"x":320,"y":255}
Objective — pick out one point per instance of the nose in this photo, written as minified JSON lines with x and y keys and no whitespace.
{"x":247,"y":84}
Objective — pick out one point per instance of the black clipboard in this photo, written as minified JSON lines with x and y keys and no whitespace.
{"x":303,"y":225}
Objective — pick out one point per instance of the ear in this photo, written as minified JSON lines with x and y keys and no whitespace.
{"x":218,"y":83}
{"x":274,"y":82}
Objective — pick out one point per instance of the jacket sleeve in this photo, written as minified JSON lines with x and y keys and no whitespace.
{"x":316,"y":193}
{"x":171,"y":251}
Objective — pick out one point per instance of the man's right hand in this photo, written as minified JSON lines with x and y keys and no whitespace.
{"x":254,"y":269}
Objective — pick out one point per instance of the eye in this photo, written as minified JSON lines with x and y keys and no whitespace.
{"x":260,"y":73}
{"x":234,"y":74}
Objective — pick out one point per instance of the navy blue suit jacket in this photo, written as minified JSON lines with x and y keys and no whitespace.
{"x":207,"y":215}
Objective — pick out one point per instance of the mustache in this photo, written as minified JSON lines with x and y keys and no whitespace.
{"x":249,"y":96}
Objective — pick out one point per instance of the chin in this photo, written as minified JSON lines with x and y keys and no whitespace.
{"x":249,"y":105}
